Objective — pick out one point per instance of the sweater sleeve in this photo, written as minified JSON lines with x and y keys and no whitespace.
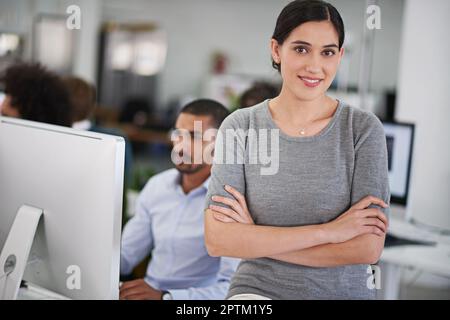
{"x":370,"y":175}
{"x":229,"y":158}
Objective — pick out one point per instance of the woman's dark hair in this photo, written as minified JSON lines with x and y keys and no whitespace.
{"x":301,"y":11}
{"x":37,"y":94}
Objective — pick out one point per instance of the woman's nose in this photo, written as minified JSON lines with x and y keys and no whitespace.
{"x":312,"y":69}
{"x":313,"y":65}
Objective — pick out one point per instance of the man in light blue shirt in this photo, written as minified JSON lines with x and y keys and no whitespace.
{"x":169,"y":221}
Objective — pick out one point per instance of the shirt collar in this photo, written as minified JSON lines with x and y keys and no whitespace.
{"x":206,"y":183}
{"x":82,"y":125}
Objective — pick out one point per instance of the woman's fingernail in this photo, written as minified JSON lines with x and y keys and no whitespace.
{"x":214,"y":198}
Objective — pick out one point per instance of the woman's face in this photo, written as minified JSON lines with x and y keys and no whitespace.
{"x":309,"y":58}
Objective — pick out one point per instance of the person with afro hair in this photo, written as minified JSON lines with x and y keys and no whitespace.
{"x":34,"y":93}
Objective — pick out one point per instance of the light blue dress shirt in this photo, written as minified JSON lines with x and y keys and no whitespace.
{"x":169,"y":224}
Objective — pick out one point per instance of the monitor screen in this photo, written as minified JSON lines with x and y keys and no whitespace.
{"x":399,"y":141}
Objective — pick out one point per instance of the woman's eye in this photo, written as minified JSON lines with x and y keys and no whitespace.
{"x":328,"y":53}
{"x":300,"y":50}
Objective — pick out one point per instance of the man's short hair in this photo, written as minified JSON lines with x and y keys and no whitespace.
{"x":207,"y":107}
{"x":258,"y":93}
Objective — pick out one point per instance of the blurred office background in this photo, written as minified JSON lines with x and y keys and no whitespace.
{"x":148,"y":58}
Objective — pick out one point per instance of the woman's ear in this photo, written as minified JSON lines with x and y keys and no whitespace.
{"x":275,"y":50}
{"x":341,"y":53}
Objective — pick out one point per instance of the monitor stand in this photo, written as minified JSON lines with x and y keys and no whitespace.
{"x":14,"y":256}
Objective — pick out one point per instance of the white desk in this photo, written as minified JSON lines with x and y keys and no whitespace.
{"x":433,"y":259}
{"x":406,"y":230}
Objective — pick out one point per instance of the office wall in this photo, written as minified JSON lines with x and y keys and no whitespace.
{"x":196,"y":28}
{"x":15,"y":17}
{"x":387,"y":45}
{"x":87,"y":49}
{"x":18,"y":16}
{"x":242,"y":28}
{"x":424,"y":99}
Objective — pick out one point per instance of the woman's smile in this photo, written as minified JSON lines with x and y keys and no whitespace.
{"x":311,"y":82}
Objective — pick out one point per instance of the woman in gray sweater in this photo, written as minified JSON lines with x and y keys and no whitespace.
{"x":299,"y":186}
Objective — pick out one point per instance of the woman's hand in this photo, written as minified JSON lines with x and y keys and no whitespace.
{"x":237,"y":211}
{"x":358,"y":220}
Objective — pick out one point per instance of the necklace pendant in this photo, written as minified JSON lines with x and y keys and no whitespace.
{"x":302,"y":132}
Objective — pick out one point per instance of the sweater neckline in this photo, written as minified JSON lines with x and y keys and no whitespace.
{"x":317,"y":136}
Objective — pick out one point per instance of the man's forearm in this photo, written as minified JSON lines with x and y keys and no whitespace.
{"x":364,"y":249}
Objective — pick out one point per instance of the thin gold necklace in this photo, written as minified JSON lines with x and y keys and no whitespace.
{"x":302,"y":131}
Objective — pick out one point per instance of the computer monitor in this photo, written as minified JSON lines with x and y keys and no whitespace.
{"x":75,"y":180}
{"x":399,"y":140}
